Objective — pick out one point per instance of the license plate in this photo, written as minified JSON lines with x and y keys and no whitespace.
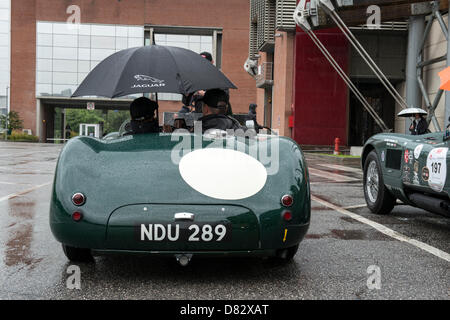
{"x":183,"y":232}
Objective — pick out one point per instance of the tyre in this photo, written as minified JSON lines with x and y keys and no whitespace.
{"x":378,"y":198}
{"x":77,"y":254}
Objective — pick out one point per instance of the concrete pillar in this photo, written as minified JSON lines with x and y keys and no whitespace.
{"x":415,"y":34}
{"x":39,"y":117}
{"x":283,"y":82}
{"x":260,"y":93}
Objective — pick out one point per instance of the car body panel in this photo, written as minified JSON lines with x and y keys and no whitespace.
{"x":122,"y":177}
{"x":412,"y":163}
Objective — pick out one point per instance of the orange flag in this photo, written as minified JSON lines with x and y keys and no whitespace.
{"x":445,"y":79}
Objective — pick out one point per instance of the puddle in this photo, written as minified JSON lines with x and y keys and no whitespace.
{"x":315,"y":236}
{"x":350,"y":235}
{"x":21,"y":209}
{"x":18,"y":247}
{"x":20,"y":234}
{"x":348,"y":219}
{"x":320,"y":208}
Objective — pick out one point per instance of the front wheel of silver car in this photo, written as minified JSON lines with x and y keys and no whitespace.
{"x":378,"y":198}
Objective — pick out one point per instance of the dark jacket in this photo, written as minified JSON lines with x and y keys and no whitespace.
{"x":219,"y":121}
{"x":420,"y":128}
{"x":252,"y":116}
{"x":139,"y":127}
{"x":194,"y":100}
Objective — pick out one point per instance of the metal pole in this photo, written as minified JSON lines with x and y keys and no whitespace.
{"x":301,"y":20}
{"x":441,"y":22}
{"x":447,"y":93}
{"x":415,"y":33}
{"x":433,"y":109}
{"x":366,"y":57}
{"x":347,"y":80}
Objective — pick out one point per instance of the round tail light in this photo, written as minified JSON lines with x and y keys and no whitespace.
{"x":287,"y":200}
{"x":287,"y":215}
{"x":77,"y":216}
{"x":78,"y":199}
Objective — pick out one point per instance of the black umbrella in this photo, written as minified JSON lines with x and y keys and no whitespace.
{"x":152,"y":69}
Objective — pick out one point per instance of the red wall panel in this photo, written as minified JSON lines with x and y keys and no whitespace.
{"x":320,"y":95}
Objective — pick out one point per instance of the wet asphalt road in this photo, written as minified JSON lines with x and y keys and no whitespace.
{"x":332,"y":261}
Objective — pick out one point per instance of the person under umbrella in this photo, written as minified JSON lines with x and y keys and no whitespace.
{"x":143,"y":120}
{"x":193,"y":103}
{"x":215,"y":105}
{"x":209,"y":57}
{"x":419,"y":125}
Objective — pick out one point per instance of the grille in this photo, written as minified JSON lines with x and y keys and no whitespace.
{"x":263,"y":19}
{"x":284,"y":15}
{"x":266,"y":16}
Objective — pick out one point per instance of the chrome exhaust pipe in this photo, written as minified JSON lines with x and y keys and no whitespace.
{"x":183,"y":259}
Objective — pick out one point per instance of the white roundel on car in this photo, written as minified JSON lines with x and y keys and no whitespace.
{"x":418,"y":151}
{"x":437,"y":166}
{"x":223,"y":173}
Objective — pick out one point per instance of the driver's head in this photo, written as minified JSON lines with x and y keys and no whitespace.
{"x":143,"y":109}
{"x":215,"y":101}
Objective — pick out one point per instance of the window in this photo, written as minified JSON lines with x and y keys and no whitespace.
{"x":195,"y":39}
{"x":65,"y":53}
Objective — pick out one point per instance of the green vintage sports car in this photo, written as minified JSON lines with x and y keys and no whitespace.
{"x":180,"y":195}
{"x":410,"y":168}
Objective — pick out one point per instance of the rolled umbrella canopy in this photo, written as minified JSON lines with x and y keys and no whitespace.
{"x":410,"y":112}
{"x":152,"y":69}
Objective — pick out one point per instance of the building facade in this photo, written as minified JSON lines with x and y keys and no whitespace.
{"x":5,"y":53}
{"x":299,"y":92}
{"x":51,"y":55}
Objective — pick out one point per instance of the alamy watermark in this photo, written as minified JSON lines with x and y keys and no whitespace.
{"x":374,"y":279}
{"x":264,"y":148}
{"x":73,"y":282}
{"x":374,"y":17}
{"x":74,"y":20}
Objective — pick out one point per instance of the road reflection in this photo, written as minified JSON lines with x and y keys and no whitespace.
{"x":20,"y":233}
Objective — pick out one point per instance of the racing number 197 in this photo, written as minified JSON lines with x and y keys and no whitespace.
{"x":436,"y":167}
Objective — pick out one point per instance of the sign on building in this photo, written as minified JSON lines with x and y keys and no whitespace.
{"x":91,"y":105}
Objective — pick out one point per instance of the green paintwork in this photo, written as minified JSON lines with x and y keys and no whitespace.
{"x":409,"y":175}
{"x":132,"y":180}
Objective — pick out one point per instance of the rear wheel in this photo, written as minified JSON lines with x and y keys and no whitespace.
{"x":77,"y":254}
{"x":378,"y":198}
